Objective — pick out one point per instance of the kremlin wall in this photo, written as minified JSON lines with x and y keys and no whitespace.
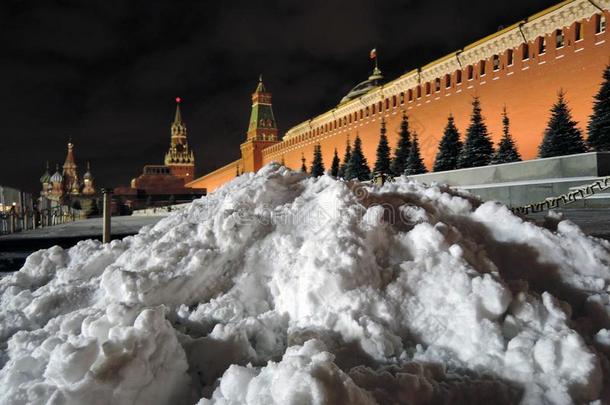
{"x":521,"y":67}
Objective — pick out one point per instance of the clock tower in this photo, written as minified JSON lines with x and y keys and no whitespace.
{"x":179,"y":158}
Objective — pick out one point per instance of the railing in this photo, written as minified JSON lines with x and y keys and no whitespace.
{"x":13,"y":221}
{"x":579,"y":193}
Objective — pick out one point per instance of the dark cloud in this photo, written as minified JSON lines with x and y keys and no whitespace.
{"x":105,"y":72}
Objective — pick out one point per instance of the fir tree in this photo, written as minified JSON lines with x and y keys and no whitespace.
{"x":401,"y":154}
{"x":382,"y":164}
{"x":303,"y":167}
{"x":448,"y":148}
{"x":346,"y":158}
{"x":334,"y":168}
{"x":507,"y":150}
{"x":477,"y":149}
{"x":415,"y":164}
{"x":561,"y":136}
{"x":599,"y":123}
{"x":357,"y":167}
{"x":317,"y":165}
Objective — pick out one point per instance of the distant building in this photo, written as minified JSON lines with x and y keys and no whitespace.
{"x":12,"y":199}
{"x":160,"y":185}
{"x":65,"y":187}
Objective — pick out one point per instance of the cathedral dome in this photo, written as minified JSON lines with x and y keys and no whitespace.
{"x":57,"y":177}
{"x":88,"y":175}
{"x":364,"y":87}
{"x":46,"y":176}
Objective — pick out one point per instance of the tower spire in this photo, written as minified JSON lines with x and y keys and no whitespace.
{"x":262,"y":124}
{"x":178,"y":116}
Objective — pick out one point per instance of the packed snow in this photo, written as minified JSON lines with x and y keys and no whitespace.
{"x":279,"y":288}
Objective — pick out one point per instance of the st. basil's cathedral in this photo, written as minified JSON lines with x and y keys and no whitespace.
{"x":65,"y":187}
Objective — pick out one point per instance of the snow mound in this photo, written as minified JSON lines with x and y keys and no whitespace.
{"x":283,"y":289}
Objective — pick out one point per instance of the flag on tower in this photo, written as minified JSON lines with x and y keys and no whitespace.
{"x":374,"y":53}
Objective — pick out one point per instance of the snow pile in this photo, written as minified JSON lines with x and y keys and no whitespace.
{"x":279,"y":288}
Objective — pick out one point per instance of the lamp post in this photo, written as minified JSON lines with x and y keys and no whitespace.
{"x":107,"y":192}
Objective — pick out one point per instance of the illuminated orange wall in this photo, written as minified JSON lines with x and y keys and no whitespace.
{"x":527,"y":88}
{"x":217,"y":178}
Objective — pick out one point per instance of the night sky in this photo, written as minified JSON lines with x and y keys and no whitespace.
{"x":106,"y":72}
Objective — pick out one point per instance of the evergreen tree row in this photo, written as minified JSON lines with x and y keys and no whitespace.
{"x":477,"y":149}
{"x":561,"y":137}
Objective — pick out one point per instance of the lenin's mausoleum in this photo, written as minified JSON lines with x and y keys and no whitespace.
{"x":521,"y":67}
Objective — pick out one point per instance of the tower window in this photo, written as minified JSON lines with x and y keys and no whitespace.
{"x":367,"y":111}
{"x":363,"y":113}
{"x":541,"y":45}
{"x":419,"y":91}
{"x":509,"y":57}
{"x":393,"y":101}
{"x":402,"y":98}
{"x":482,"y":68}
{"x":373,"y":109}
{"x":559,"y":40}
{"x":578,"y":32}
{"x":387,"y":103}
{"x":447,"y":81}
{"x":525,"y":49}
{"x":496,"y":63}
{"x":380,"y":104}
{"x":600,"y":23}
{"x":427,"y":88}
{"x":458,"y":77}
{"x":470,"y":72}
{"x":437,"y":84}
{"x":410,"y":94}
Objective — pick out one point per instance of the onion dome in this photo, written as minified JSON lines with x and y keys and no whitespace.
{"x":88,"y":175}
{"x":46,"y":176}
{"x":57,"y":177}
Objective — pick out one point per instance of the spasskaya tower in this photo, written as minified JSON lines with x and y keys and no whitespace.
{"x":179,"y":158}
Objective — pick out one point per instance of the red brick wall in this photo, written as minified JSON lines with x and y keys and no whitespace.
{"x":217,"y":178}
{"x":527,"y":88}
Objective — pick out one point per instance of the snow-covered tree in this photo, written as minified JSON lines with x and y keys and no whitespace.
{"x":357,"y":167}
{"x":317,"y":165}
{"x":336,"y":165}
{"x":477,"y":149}
{"x":448,"y":148}
{"x":561,"y":136}
{"x":415,"y":164}
{"x":507,"y":150}
{"x":382,"y":164}
{"x":401,"y":154}
{"x":599,"y":123}
{"x":346,"y":157}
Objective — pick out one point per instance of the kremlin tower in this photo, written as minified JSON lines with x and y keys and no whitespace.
{"x":179,"y":158}
{"x":262,"y":129}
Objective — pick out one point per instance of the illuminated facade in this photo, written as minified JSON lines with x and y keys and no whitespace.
{"x":521,"y":67}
